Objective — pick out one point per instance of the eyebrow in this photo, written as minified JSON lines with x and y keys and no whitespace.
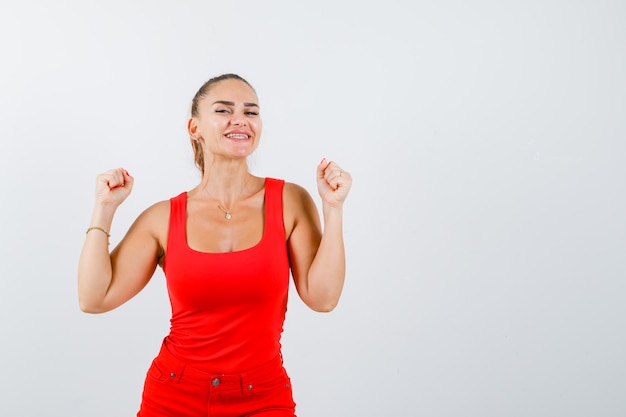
{"x":232,"y":103}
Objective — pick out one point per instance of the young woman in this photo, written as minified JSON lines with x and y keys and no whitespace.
{"x":227,"y":248}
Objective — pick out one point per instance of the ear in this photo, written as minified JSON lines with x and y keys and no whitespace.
{"x":192,"y":127}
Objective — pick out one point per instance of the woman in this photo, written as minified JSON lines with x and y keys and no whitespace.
{"x":226,"y":248}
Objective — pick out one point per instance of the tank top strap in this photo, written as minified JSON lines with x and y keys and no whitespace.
{"x":274,"y":207}
{"x":178,"y":214}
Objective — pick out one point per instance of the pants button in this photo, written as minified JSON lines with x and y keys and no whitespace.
{"x":249,"y":387}
{"x":215,"y":382}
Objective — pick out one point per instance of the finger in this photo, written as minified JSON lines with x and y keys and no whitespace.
{"x":333,"y":174}
{"x":336,"y":173}
{"x":343,"y":180}
{"x":321,"y":168}
{"x":113,"y":178}
{"x":128,"y":180}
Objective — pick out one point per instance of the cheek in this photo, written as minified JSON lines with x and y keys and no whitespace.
{"x":258,"y":127}
{"x":213,"y":127}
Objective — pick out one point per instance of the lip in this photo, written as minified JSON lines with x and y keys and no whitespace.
{"x":239,"y":135}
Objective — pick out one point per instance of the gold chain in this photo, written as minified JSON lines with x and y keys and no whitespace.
{"x":227,"y":214}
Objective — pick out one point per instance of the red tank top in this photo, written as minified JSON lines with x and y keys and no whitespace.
{"x":228,"y":308}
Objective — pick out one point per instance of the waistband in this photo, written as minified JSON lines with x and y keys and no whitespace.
{"x":176,"y":369}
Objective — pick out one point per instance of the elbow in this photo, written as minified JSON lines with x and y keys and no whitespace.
{"x":325,"y":307}
{"x":89,"y":308}
{"x":321,"y":301}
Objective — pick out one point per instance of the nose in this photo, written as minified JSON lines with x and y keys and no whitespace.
{"x":238,"y":120}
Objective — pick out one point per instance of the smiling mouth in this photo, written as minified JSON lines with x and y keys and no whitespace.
{"x":237,"y":136}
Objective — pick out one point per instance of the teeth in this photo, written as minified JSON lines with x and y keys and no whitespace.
{"x":237,"y":136}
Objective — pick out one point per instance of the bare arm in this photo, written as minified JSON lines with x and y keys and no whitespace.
{"x":107,"y":280}
{"x":318,"y":259}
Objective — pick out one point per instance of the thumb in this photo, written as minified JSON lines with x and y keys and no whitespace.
{"x":321,"y":167}
{"x":128,"y":180}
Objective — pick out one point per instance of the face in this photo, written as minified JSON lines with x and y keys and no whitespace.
{"x":228,"y":120}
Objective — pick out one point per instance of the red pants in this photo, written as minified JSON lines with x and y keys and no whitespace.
{"x":173,"y":389}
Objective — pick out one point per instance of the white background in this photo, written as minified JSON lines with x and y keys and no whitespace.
{"x":485,"y":230}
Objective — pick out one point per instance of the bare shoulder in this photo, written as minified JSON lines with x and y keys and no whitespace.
{"x":154,"y":221}
{"x":296,"y":199}
{"x":298,"y":206}
{"x":294,"y":193}
{"x":156,"y":214}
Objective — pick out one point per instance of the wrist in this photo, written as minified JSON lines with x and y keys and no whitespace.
{"x":332,"y":211}
{"x":99,"y":230}
{"x":102,"y":217}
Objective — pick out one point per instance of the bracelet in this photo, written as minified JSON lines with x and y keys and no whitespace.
{"x":98,"y":228}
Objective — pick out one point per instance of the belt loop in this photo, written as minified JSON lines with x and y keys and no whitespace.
{"x":243,"y":384}
{"x":181,"y":372}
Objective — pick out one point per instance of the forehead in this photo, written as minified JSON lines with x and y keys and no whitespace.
{"x":232,"y":90}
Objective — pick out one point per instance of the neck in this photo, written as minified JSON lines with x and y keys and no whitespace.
{"x":225,"y":180}
{"x":226,"y":189}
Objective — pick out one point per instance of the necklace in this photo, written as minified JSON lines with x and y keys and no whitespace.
{"x":227,"y":214}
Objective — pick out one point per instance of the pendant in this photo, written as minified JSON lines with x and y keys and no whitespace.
{"x":226,"y":212}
